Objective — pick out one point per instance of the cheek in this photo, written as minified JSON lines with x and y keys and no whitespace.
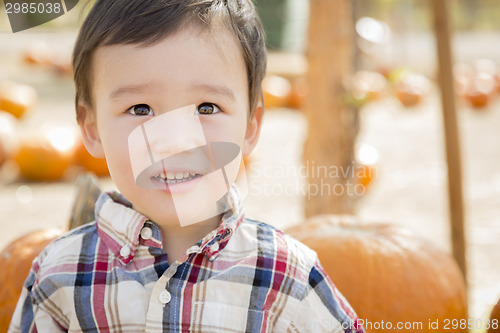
{"x":228,"y":129}
{"x":114,"y":140}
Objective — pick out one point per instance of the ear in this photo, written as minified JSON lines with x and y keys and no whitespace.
{"x":253,"y":130}
{"x":88,"y":129}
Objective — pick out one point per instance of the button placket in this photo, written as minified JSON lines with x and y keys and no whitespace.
{"x":161,"y":296}
{"x":164,"y":297}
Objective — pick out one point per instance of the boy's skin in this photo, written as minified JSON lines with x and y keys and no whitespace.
{"x":191,"y":66}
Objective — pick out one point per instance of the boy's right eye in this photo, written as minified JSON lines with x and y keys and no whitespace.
{"x":141,"y":110}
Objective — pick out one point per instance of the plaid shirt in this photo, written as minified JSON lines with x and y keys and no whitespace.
{"x":112,"y":276}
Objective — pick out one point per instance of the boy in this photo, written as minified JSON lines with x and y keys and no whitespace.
{"x":178,"y":83}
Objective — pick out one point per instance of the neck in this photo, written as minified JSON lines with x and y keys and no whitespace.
{"x":177,"y":239}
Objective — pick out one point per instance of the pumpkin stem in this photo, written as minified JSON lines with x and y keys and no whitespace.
{"x":87,"y":192}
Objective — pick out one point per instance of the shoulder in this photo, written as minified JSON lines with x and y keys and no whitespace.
{"x":272,"y":242}
{"x":317,"y":300}
{"x":267,"y":233}
{"x":66,"y":250}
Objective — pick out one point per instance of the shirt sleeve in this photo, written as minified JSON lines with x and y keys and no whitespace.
{"x":29,"y":318}
{"x":324,"y":308}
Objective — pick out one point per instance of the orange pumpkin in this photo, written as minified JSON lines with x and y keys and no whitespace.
{"x":15,"y":261}
{"x":8,"y":137}
{"x":366,"y":158}
{"x":480,"y":89}
{"x":386,"y":272}
{"x":477,"y":99}
{"x":17,"y":98}
{"x":47,"y":155}
{"x":365,"y":174}
{"x":408,"y":97}
{"x":38,"y":53}
{"x":497,"y":81}
{"x":3,"y":154}
{"x":368,"y":85}
{"x":89,"y":162}
{"x":276,"y":90}
{"x":410,"y":87}
{"x":495,"y":319}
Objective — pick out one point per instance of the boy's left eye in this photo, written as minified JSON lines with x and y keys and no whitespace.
{"x":208,"y":108}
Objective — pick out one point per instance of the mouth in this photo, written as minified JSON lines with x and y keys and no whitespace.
{"x":170,"y":178}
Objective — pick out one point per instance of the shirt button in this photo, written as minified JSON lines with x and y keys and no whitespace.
{"x":125,"y":251}
{"x":146,"y":233}
{"x":165,"y":297}
{"x":214,"y":247}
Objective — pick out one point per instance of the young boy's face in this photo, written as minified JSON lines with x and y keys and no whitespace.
{"x":134,"y":84}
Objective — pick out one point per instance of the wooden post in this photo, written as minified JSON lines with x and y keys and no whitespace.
{"x":452,"y":138}
{"x":329,"y":148}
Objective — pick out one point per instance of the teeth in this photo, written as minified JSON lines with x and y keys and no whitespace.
{"x":171,"y":178}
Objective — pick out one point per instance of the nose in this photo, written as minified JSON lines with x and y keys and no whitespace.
{"x":174,"y":132}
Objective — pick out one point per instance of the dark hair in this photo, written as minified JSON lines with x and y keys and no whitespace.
{"x":112,"y":22}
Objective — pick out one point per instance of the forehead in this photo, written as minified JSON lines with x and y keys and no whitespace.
{"x":189,"y":56}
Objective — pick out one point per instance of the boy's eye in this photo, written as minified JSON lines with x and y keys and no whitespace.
{"x":141,"y":110}
{"x":208,"y":108}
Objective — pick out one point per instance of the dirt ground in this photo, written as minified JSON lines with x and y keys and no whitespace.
{"x":410,"y":188}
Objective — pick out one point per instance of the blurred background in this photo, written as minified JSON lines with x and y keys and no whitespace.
{"x":399,"y":149}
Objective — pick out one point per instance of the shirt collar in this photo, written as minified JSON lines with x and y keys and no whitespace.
{"x":119,"y":226}
{"x":213,"y":243}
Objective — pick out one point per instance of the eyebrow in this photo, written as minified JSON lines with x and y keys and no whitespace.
{"x":141,"y":88}
{"x":215,"y":89}
{"x":131,"y":89}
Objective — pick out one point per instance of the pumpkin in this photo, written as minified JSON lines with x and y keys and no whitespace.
{"x":38,"y":53}
{"x":368,"y":85}
{"x":17,"y":98}
{"x":366,"y":158}
{"x":480,"y":90}
{"x":15,"y":261}
{"x":497,"y":81}
{"x":495,"y":319}
{"x":276,"y":90}
{"x":410,"y":87}
{"x":3,"y":154}
{"x":8,"y":138}
{"x":386,"y":272}
{"x":89,"y":162}
{"x":408,"y":97}
{"x":365,"y":174}
{"x":477,"y":99}
{"x":45,"y":156}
